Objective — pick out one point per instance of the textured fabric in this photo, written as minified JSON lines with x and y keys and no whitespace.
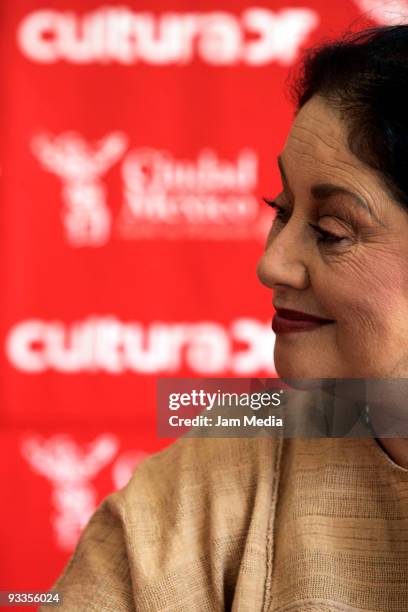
{"x":249,"y":525}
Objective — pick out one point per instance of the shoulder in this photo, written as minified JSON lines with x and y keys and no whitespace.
{"x":202,"y":462}
{"x":186,"y":509}
{"x":189,"y":480}
{"x":188,"y":515}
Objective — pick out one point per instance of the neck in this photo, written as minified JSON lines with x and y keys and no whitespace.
{"x":389,"y":423}
{"x":396,"y":449}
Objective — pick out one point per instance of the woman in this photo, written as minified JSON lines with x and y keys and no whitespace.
{"x":294,"y":524}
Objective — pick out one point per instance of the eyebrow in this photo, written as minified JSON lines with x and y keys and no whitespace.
{"x":323,"y":191}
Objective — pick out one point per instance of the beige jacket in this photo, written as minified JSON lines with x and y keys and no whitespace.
{"x":249,"y":525}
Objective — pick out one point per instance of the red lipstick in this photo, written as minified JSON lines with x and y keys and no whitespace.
{"x":286,"y":321}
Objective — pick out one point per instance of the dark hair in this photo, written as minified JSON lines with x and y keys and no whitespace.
{"x":364,"y":75}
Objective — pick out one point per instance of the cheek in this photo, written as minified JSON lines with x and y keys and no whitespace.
{"x":367,"y":296}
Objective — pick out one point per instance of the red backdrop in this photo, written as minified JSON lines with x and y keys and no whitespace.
{"x":137,"y":141}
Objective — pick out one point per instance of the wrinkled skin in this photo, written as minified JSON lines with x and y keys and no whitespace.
{"x":359,"y":280}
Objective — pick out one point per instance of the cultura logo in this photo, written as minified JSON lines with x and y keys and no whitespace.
{"x":107,"y":344}
{"x":256,"y":37}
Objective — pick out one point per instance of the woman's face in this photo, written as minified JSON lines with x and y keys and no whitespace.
{"x":337,"y":249}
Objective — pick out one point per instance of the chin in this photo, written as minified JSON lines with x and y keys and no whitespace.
{"x":289,"y":365}
{"x":293,"y":363}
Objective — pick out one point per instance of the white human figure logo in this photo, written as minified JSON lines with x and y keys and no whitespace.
{"x":70,"y":469}
{"x":80,"y":166}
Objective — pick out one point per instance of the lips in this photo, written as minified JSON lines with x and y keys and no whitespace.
{"x":287,"y":320}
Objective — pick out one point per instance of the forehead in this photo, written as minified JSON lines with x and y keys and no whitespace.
{"x":318,"y":124}
{"x":317,"y":149}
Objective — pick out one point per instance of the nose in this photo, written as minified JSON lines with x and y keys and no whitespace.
{"x":283,"y":263}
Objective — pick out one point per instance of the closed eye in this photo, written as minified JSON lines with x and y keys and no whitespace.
{"x":323,"y":236}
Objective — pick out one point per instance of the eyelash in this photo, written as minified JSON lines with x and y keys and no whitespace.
{"x":323,"y":235}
